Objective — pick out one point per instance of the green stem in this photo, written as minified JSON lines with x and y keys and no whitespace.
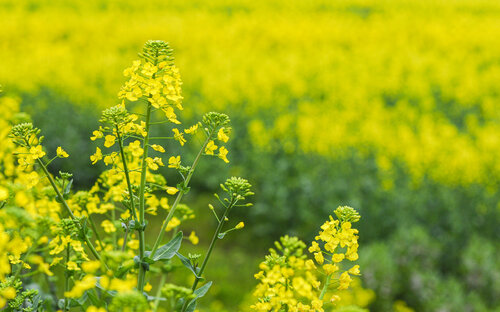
{"x":325,"y":287}
{"x":65,"y":205}
{"x":209,"y":252}
{"x":127,"y":176}
{"x":94,"y":228}
{"x":158,"y":292}
{"x":179,"y":197}
{"x":142,"y":244}
{"x":125,"y":239}
{"x":66,"y":282}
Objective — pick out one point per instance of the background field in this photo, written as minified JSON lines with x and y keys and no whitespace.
{"x":391,"y":107}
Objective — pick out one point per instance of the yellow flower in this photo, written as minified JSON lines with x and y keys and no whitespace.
{"x":314,"y":247}
{"x":108,"y":226}
{"x":344,"y":280}
{"x":148,"y":287}
{"x":151,"y":163}
{"x":210,"y":148}
{"x":37,"y":152}
{"x":223,"y":154}
{"x":330,"y":268}
{"x":88,"y":282}
{"x":222,"y":136}
{"x":158,"y":148}
{"x":8,"y":293}
{"x":179,"y":136}
{"x":96,"y":135}
{"x":91,"y":266}
{"x":61,"y":153}
{"x":109,"y":140}
{"x":174,"y":162}
{"x":171,"y":190}
{"x":354,"y":270}
{"x":4,"y":193}
{"x":240,"y":225}
{"x":319,"y":257}
{"x":173,"y":223}
{"x":72,"y":266}
{"x":338,"y":257}
{"x":95,"y":309}
{"x":136,"y":149}
{"x":97,"y":156}
{"x":108,"y":159}
{"x":193,"y":238}
{"x":192,"y":129}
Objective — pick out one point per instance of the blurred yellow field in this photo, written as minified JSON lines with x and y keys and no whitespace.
{"x":411,"y":81}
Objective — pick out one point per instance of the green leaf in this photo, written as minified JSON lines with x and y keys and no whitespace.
{"x":168,"y":250}
{"x":200,"y":292}
{"x":67,"y":188}
{"x":185,"y":261}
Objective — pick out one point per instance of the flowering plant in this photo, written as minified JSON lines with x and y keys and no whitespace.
{"x":86,"y":250}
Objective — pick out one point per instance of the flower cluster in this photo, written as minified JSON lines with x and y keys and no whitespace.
{"x":97,"y":237}
{"x":288,"y":280}
{"x":155,"y":77}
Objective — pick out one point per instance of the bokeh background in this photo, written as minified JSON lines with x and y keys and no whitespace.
{"x":389,"y":106}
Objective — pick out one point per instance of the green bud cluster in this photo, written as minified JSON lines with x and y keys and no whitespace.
{"x":132,"y":301}
{"x":289,"y":246}
{"x":115,"y":115}
{"x":347,"y":214}
{"x":237,"y":188}
{"x":214,"y":121}
{"x":156,"y":51}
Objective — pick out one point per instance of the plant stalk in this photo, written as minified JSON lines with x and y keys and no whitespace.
{"x":142,"y":243}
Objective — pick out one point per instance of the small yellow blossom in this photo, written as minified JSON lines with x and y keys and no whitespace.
{"x":91,"y":266}
{"x":319,"y":257}
{"x":330,"y":268}
{"x":344,"y":280}
{"x":135,"y":148}
{"x":95,"y":309}
{"x":108,"y":226}
{"x":211,"y":147}
{"x":354,"y":270}
{"x":223,"y":154}
{"x":133,"y":244}
{"x":179,"y":136}
{"x":109,"y":140}
{"x":173,"y":223}
{"x":338,"y":257}
{"x":171,"y":190}
{"x":37,"y":152}
{"x":61,"y":153}
{"x":148,"y":287}
{"x":4,"y":193}
{"x":153,"y":164}
{"x":174,"y":162}
{"x":193,"y":238}
{"x":97,"y":156}
{"x":158,"y":148}
{"x":88,"y":282}
{"x":8,"y":293}
{"x":96,"y":135}
{"x":222,"y":136}
{"x":192,"y":129}
{"x":72,"y":266}
{"x":240,"y":225}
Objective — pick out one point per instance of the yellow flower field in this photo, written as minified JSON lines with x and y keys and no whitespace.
{"x":411,"y":81}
